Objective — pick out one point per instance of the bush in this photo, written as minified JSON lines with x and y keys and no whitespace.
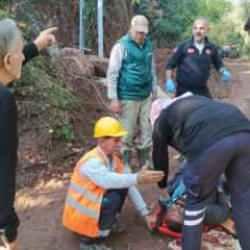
{"x":172,"y":20}
{"x":49,"y":100}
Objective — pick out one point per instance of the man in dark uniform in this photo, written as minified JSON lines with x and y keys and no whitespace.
{"x":215,"y":139}
{"x":193,"y":60}
{"x":12,"y":56}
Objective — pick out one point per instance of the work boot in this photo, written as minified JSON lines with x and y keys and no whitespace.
{"x":118,"y":226}
{"x":145,"y":157}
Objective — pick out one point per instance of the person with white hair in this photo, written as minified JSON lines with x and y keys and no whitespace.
{"x":214,"y":138}
{"x":131,"y":82}
{"x":12,"y":56}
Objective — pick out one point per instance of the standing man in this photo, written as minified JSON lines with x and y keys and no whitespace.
{"x":193,"y":60}
{"x":12,"y":56}
{"x":99,"y":186}
{"x":215,"y":139}
{"x":131,"y":83}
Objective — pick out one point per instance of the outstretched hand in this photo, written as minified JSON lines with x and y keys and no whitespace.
{"x":146,"y":176}
{"x":150,"y":221}
{"x":46,"y":38}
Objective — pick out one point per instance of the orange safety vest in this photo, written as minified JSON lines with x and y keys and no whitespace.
{"x":83,"y":202}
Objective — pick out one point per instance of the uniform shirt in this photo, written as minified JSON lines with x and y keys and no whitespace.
{"x":191,"y":125}
{"x":193,"y":67}
{"x":8,"y":148}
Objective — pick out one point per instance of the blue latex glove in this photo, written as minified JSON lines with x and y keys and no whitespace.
{"x":225,"y":75}
{"x":170,"y":86}
{"x":179,"y":191}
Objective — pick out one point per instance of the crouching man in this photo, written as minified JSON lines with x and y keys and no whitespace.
{"x":100,"y":184}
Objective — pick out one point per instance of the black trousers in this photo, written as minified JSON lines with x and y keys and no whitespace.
{"x":217,"y":209}
{"x":8,"y":232}
{"x":232,"y":156}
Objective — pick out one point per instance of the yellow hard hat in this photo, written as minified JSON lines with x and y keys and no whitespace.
{"x":108,"y":126}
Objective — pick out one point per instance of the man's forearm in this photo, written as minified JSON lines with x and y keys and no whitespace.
{"x":30,"y":51}
{"x":106,"y":179}
{"x":136,"y":197}
{"x":138,"y":201}
{"x":115,"y":63}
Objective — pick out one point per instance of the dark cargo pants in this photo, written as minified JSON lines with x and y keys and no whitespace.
{"x":232,"y":156}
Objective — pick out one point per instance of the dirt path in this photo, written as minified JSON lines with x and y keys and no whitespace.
{"x":241,"y":84}
{"x":40,"y":207}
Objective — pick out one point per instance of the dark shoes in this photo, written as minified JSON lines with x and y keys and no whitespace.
{"x":92,"y":244}
{"x":94,"y":247}
{"x":118,"y":227}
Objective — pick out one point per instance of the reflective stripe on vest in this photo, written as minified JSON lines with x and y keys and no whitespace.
{"x":83,"y":203}
{"x":81,"y":209}
{"x":84,"y":192}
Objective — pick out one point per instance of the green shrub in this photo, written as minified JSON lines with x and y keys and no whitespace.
{"x":50,"y":100}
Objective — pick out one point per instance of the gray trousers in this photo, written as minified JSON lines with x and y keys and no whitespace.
{"x":134,"y":117}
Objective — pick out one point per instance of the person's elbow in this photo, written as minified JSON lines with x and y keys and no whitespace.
{"x":163,"y":183}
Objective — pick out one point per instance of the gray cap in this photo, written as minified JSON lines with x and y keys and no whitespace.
{"x":139,"y":23}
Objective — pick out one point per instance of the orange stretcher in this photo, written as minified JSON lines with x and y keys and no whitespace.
{"x":163,"y":226}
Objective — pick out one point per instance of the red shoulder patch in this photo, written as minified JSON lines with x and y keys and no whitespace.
{"x":190,"y":50}
{"x":208,"y":51}
{"x":174,"y":50}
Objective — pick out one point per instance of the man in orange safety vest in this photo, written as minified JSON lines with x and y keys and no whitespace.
{"x":100,"y":184}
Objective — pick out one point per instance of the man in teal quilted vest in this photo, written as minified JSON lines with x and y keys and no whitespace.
{"x":131,"y":85}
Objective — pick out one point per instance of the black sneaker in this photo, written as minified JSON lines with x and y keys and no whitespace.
{"x":93,"y":247}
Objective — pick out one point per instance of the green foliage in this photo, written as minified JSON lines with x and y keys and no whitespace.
{"x":172,"y":20}
{"x":245,"y":4}
{"x":135,"y":1}
{"x":4,"y":13}
{"x":51,"y":101}
{"x":214,"y":9}
{"x":3,"y":3}
{"x":65,"y":132}
{"x":90,"y":16}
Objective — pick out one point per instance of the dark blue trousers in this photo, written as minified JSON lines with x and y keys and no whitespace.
{"x":112,"y":203}
{"x":231,"y":156}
